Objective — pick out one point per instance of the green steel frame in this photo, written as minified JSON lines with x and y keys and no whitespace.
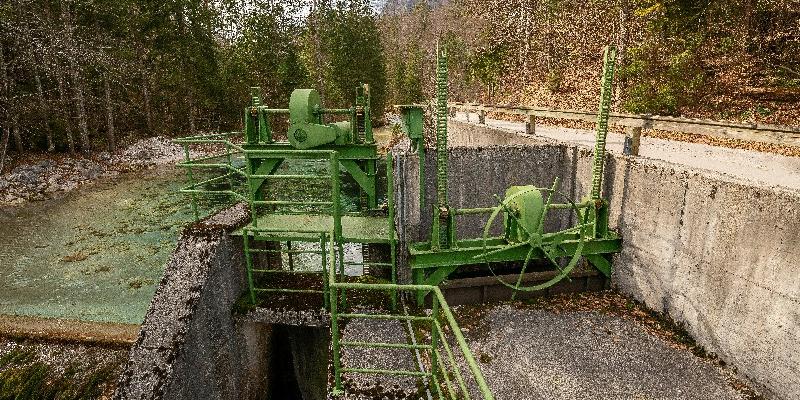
{"x":256,"y":161}
{"x":356,"y":150}
{"x":434,"y":261}
{"x":443,"y":374}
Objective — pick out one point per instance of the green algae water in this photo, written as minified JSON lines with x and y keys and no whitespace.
{"x":96,"y":254}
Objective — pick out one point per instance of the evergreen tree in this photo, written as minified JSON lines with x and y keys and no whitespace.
{"x":343,"y":47}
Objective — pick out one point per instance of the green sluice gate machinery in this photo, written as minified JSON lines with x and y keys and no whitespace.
{"x":522,"y":237}
{"x":524,"y":212}
{"x":351,"y":139}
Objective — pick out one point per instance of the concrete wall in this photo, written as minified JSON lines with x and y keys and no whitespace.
{"x":716,"y":254}
{"x":190,"y":345}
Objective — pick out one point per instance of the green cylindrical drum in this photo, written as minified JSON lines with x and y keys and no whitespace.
{"x":305,"y":130}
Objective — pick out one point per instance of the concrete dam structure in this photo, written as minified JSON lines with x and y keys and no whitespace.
{"x":493,"y":265}
{"x":714,"y":253}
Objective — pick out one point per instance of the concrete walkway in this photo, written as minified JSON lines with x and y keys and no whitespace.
{"x":763,"y":168}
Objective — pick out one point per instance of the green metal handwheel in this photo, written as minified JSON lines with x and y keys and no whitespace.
{"x":525,"y":212}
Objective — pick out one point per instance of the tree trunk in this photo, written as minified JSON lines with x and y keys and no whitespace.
{"x":83,"y":128}
{"x":622,"y":49}
{"x":45,"y":111}
{"x":4,"y":95}
{"x":17,"y":135}
{"x":65,"y":109}
{"x":316,"y":13}
{"x":77,"y":85}
{"x":3,"y":74}
{"x":110,"y":136}
{"x":147,"y":110}
{"x":4,"y":148}
{"x":524,"y":54}
{"x":192,"y":127}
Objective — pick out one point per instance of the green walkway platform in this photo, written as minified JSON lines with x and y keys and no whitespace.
{"x":355,"y":228}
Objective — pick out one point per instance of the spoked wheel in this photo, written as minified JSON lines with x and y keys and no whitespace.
{"x":550,"y":244}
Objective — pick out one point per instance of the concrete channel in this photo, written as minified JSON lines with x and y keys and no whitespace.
{"x":715,"y":254}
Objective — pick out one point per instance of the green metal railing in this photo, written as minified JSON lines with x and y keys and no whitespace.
{"x":214,"y":162}
{"x":451,"y":371}
{"x":330,"y":207}
{"x":272,"y":234}
{"x":254,"y":271}
{"x":444,"y":375}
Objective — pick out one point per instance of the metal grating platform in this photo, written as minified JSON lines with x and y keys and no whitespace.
{"x":355,"y":229}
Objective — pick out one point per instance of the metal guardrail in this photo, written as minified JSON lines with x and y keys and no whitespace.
{"x":755,"y":132}
{"x":451,"y":371}
{"x":445,"y":376}
{"x":214,"y":162}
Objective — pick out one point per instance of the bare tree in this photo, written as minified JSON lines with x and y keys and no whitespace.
{"x":45,"y":110}
{"x":110,"y":136}
{"x":3,"y":149}
{"x":4,"y":96}
{"x":65,"y":112}
{"x":77,"y":83}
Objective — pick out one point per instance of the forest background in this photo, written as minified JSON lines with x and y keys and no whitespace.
{"x":88,"y":75}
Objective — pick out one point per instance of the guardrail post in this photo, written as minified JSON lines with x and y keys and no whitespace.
{"x":530,"y":126}
{"x":434,"y":342}
{"x":633,"y":136}
{"x":325,"y":275}
{"x":392,"y":239}
{"x":335,"y":344}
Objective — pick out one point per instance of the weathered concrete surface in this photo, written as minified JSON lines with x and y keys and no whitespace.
{"x":767,"y":168}
{"x":722,"y":258}
{"x":717,"y":254}
{"x":537,"y":354}
{"x":190,"y":345}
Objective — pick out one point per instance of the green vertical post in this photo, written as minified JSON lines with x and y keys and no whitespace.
{"x":325,"y":279}
{"x":336,"y":196}
{"x":190,"y":175}
{"x":418,"y":276}
{"x":251,"y":192}
{"x":392,"y":239}
{"x":249,"y":262}
{"x":335,"y":345}
{"x":337,"y":217}
{"x":434,"y":343}
{"x":264,"y":131}
{"x":251,"y":133}
{"x":368,"y":138}
{"x":437,"y":239}
{"x":229,"y":160}
{"x":609,"y":59}
{"x":372,"y":171}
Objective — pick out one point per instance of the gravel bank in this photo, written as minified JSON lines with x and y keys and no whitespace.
{"x":50,"y":177}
